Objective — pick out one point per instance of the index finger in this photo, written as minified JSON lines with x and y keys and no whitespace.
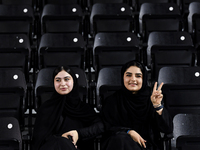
{"x":155,"y":86}
{"x":160,"y":86}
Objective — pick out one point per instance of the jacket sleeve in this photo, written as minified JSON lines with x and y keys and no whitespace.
{"x":92,"y":131}
{"x":164,"y":121}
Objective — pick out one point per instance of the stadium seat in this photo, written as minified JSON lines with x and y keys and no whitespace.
{"x":159,"y":17}
{"x":13,"y":90}
{"x":109,"y":81}
{"x":186,"y":132}
{"x":61,"y":49}
{"x":62,"y":19}
{"x":181,"y":89}
{"x":181,"y":95}
{"x":169,"y":49}
{"x":111,"y":17}
{"x":11,"y":138}
{"x":15,"y":52}
{"x":184,"y":6}
{"x":114,"y":49}
{"x":16,"y":19}
{"x":194,"y":21}
{"x":44,"y":85}
{"x":138,"y":3}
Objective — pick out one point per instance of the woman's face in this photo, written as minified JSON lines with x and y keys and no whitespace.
{"x":63,"y":82}
{"x":133,"y":79}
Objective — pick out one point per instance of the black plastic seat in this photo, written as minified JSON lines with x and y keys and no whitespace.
{"x":44,"y":85}
{"x":181,"y":89}
{"x":16,"y":19}
{"x":61,"y":49}
{"x":169,"y":49}
{"x":13,"y":90}
{"x":111,"y":17}
{"x":114,"y":49}
{"x":194,"y":21}
{"x":109,"y":81}
{"x":62,"y":19}
{"x":11,"y":138}
{"x":186,"y":132}
{"x":159,"y":17}
{"x":184,"y":6}
{"x":140,"y":2}
{"x":15,"y":52}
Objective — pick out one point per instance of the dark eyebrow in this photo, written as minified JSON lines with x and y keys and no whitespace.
{"x":128,"y":73}
{"x":64,"y":77}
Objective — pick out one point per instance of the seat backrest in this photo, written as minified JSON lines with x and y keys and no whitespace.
{"x":62,"y":18}
{"x":111,"y":17}
{"x":194,"y":21}
{"x":184,"y":5}
{"x":114,"y":49}
{"x":186,"y":132}
{"x":17,"y":19}
{"x":61,"y":49}
{"x":140,"y":2}
{"x":109,"y":81}
{"x":44,"y":87}
{"x":169,"y":49}
{"x":10,"y":138}
{"x":15,"y":52}
{"x":181,"y":89}
{"x":159,"y":17}
{"x":13,"y":91}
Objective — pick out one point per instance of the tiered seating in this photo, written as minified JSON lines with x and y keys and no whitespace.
{"x":97,"y":37}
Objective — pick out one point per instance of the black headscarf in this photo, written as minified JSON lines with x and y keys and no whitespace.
{"x":125,"y":109}
{"x":50,"y":112}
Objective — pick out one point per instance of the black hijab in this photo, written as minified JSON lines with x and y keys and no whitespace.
{"x":126,"y":110}
{"x":58,"y":105}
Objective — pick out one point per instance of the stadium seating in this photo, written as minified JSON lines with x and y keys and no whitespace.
{"x":169,"y":49}
{"x":61,"y":49}
{"x":11,"y":138}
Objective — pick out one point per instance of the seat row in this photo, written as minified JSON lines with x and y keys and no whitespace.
{"x":109,"y":49}
{"x":114,"y":17}
{"x":181,"y":97}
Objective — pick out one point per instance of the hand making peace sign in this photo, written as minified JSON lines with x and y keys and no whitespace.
{"x":157,"y":95}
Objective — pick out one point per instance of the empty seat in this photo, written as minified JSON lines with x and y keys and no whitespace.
{"x":194,"y":21}
{"x":186,"y":132}
{"x":90,"y":3}
{"x":114,"y":49}
{"x":109,"y":81}
{"x":42,"y":3}
{"x":169,"y":49}
{"x":111,"y":17}
{"x":62,"y":18}
{"x":16,"y":19}
{"x":181,"y":89}
{"x":44,"y":85}
{"x":13,"y":90}
{"x":61,"y":49}
{"x":10,"y":138}
{"x":159,"y":17}
{"x":184,"y":6}
{"x":15,"y":52}
{"x":140,"y":2}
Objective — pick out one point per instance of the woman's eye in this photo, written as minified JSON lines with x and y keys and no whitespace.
{"x":57,"y":80}
{"x":66,"y":79}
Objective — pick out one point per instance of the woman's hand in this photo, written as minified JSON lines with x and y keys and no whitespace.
{"x":73,"y":134}
{"x":157,"y":95}
{"x":137,"y":138}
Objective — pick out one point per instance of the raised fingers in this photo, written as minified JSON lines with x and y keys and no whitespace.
{"x":160,"y":86}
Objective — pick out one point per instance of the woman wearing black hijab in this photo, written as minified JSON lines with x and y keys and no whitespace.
{"x":65,"y":122}
{"x":134,"y":117}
